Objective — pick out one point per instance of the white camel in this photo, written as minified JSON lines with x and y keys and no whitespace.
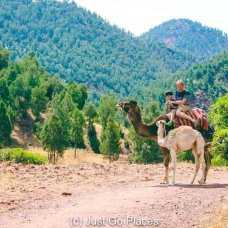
{"x":181,"y":139}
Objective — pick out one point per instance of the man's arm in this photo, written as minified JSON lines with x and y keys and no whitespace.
{"x":180,"y":102}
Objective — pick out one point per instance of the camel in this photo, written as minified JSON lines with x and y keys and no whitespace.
{"x":150,"y":131}
{"x":181,"y":139}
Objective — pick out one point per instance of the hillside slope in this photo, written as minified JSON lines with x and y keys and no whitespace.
{"x":81,"y":46}
{"x":188,"y":35}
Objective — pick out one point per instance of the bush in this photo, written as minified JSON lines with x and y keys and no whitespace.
{"x":220,"y":148}
{"x":186,"y":156}
{"x":19,"y":155}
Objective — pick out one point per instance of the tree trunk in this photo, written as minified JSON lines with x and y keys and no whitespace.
{"x":75,"y":152}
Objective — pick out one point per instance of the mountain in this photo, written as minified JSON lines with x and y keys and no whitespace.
{"x":81,"y":46}
{"x":184,"y":34}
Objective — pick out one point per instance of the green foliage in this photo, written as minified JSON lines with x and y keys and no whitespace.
{"x":205,"y":82}
{"x":110,"y":140}
{"x":93,"y":140}
{"x":219,"y":117}
{"x":146,"y":151}
{"x":19,"y":155}
{"x":54,"y":137}
{"x":4,"y":58}
{"x":107,"y":109}
{"x":78,"y":94}
{"x":81,"y":46}
{"x":90,"y":111}
{"x":39,"y":100}
{"x":76,"y":125}
{"x":183,"y":34}
{"x":5,"y":125}
{"x":219,"y":113}
{"x":186,"y":156}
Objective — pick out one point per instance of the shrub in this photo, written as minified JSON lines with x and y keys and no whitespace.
{"x":19,"y":155}
{"x":186,"y":156}
{"x":220,"y":148}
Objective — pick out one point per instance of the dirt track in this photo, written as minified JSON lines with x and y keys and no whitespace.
{"x":50,"y":196}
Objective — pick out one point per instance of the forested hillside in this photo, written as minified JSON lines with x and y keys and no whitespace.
{"x":81,"y":46}
{"x":184,"y":34}
{"x":206,"y":82}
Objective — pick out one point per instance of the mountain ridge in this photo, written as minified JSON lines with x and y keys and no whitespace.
{"x":189,"y":35}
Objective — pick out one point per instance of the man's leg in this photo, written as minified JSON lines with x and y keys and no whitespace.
{"x":180,"y":113}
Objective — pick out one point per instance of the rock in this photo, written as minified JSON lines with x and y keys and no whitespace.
{"x":66,"y":193}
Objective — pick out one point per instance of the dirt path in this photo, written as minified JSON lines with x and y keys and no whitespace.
{"x":130,"y":195}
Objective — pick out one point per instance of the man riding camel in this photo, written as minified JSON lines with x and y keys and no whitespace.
{"x":182,"y":97}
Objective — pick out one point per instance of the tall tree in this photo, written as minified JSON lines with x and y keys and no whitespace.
{"x":92,"y":135}
{"x":54,"y":137}
{"x":5,"y":125}
{"x":77,"y":123}
{"x":219,"y":117}
{"x":110,"y":141}
{"x":107,"y":109}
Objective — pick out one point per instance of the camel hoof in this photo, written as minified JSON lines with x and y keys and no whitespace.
{"x":163,"y":182}
{"x":201,"y":182}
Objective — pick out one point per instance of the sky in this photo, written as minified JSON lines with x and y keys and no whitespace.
{"x":138,"y":16}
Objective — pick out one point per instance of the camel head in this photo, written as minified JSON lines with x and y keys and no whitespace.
{"x":130,"y":106}
{"x":161,"y":124}
{"x":132,"y":109}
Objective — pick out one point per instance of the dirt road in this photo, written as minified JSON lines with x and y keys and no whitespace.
{"x":117,"y":195}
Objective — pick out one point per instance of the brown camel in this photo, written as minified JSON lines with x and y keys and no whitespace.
{"x":150,"y":131}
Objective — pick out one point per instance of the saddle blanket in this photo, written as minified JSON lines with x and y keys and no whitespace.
{"x":195,"y":113}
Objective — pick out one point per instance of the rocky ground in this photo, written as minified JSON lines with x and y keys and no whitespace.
{"x":130,"y":195}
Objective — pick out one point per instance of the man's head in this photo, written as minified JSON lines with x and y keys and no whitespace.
{"x":169,"y":95}
{"x":180,"y":85}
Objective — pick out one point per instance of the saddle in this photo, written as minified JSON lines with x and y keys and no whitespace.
{"x":195,"y":113}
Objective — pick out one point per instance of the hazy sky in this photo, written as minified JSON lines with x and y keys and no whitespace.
{"x":138,"y":16}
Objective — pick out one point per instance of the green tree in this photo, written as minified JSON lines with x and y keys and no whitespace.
{"x":39,"y":100}
{"x":77,"y":123}
{"x":92,"y":135}
{"x":146,"y":151}
{"x":5,"y":125}
{"x":4,"y":58}
{"x":107,"y":109}
{"x":78,"y":94}
{"x":219,"y":117}
{"x":90,"y":111}
{"x":110,"y":140}
{"x":54,"y":137}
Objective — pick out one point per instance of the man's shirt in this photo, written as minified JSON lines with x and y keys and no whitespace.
{"x":179,"y":96}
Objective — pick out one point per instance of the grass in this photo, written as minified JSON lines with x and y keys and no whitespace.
{"x":83,"y":156}
{"x":19,"y":155}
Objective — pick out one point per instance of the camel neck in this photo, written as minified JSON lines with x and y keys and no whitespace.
{"x":144,"y":130}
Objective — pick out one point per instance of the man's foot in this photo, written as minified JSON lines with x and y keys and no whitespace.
{"x":195,"y":122}
{"x":170,"y":124}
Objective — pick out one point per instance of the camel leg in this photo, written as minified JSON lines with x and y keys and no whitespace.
{"x":197,"y":162}
{"x":203,"y":165}
{"x":173,"y":164}
{"x":166,"y":153}
{"x":207,"y":161}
